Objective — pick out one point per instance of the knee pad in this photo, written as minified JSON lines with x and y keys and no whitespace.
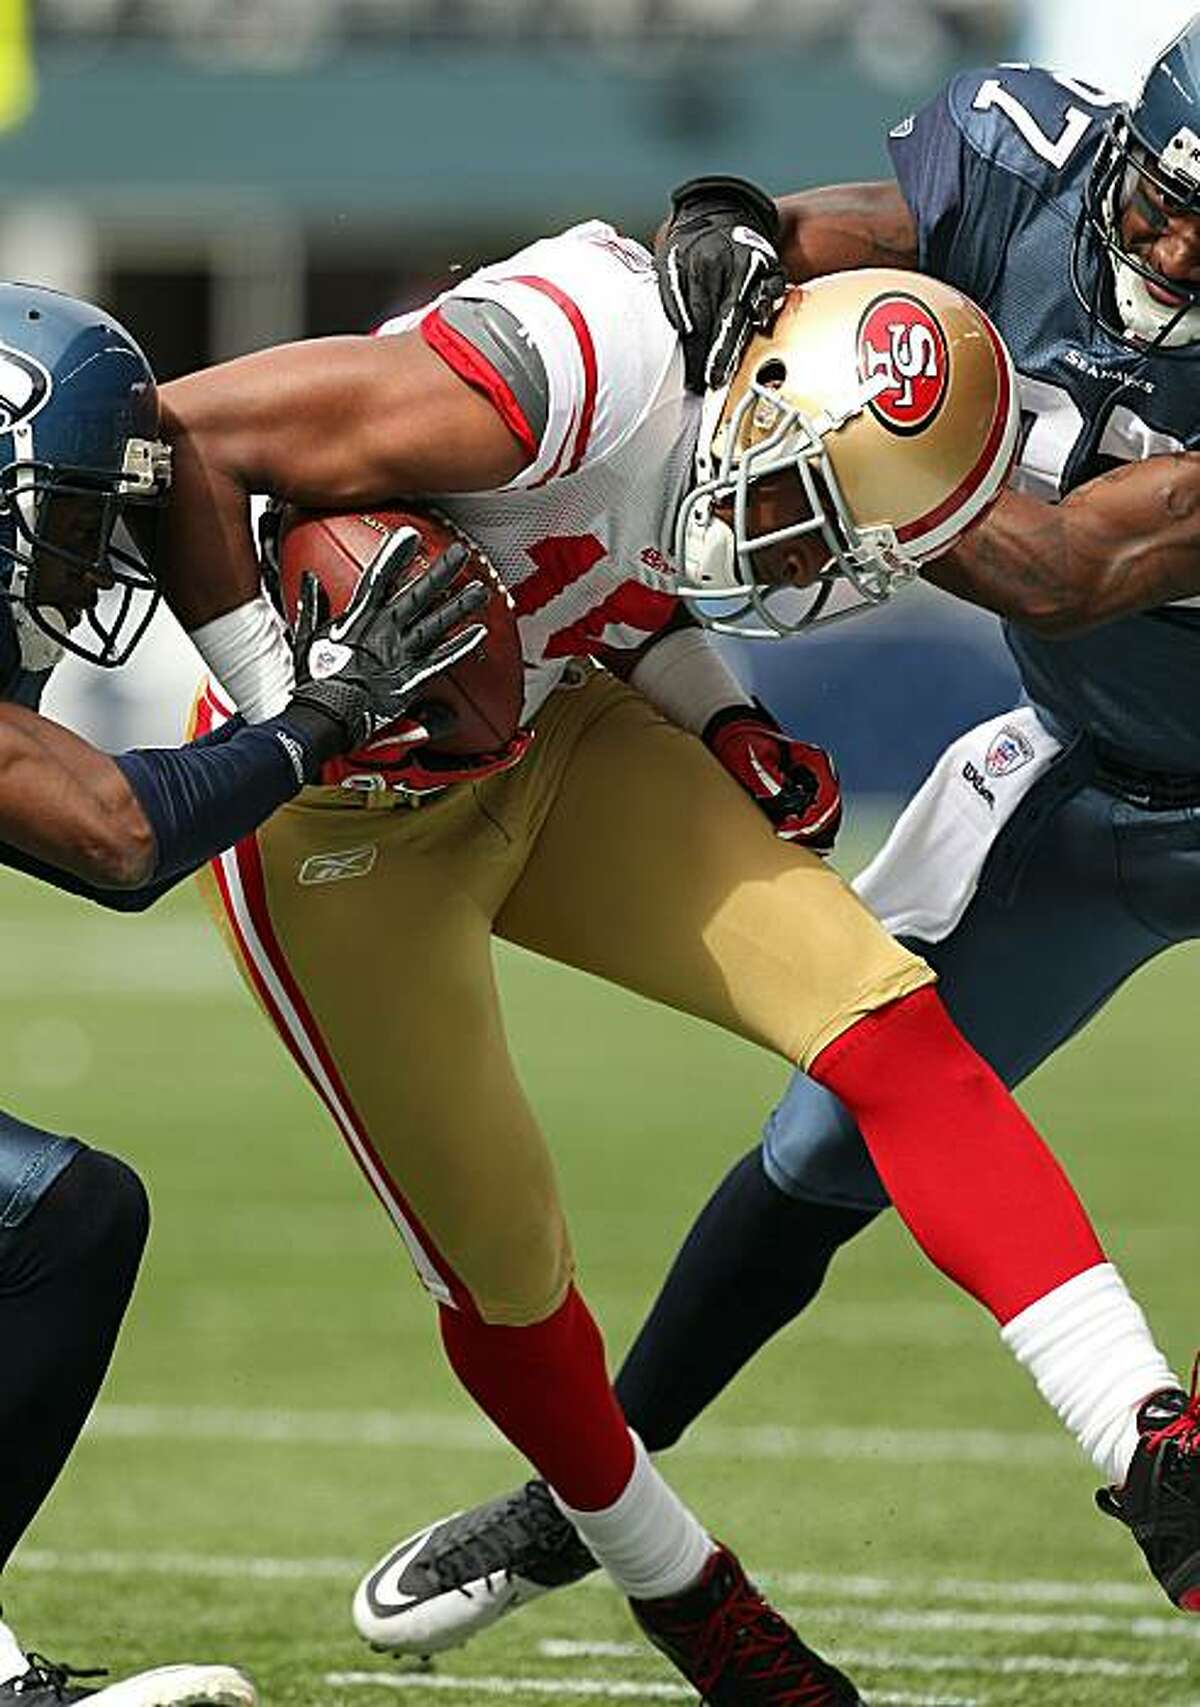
{"x":812,"y":1150}
{"x":106,"y":1204}
{"x":95,"y":1219}
{"x":86,"y":1231}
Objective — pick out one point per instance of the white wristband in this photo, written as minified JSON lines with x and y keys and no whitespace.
{"x":687,"y":679}
{"x":248,"y":652}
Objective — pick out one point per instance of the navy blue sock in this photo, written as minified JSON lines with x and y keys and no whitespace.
{"x":753,"y":1260}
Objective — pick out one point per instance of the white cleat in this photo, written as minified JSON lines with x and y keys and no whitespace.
{"x":48,"y":1684}
{"x":442,"y":1586}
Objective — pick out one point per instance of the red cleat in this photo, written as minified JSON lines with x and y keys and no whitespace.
{"x":1160,"y":1500}
{"x":735,"y":1648}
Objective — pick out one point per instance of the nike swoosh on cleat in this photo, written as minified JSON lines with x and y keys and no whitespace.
{"x":383,"y":1589}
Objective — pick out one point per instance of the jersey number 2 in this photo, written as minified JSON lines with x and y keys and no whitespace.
{"x":1056,"y":149}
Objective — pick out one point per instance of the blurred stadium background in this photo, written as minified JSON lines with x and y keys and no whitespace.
{"x":231,"y":173}
{"x":227,"y":173}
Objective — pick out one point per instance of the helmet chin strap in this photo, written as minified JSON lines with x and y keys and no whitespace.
{"x":710,"y":555}
{"x":1149,"y":321}
{"x":1143,"y":318}
{"x":39,"y":650}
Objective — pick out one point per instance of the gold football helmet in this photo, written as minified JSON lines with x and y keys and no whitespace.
{"x":890,"y":398}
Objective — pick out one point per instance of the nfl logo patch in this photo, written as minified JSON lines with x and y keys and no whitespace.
{"x":1008,"y":752}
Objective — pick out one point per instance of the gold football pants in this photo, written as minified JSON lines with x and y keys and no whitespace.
{"x":618,"y":845}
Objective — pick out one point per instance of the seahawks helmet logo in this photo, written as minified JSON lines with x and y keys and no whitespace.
{"x":25,"y":387}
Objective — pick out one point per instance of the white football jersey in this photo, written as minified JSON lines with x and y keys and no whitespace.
{"x":583,"y":536}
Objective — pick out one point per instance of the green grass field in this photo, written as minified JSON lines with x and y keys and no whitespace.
{"x":278,"y":1410}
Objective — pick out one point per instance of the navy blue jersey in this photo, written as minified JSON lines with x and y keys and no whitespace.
{"x":993,"y":170}
{"x":18,"y":686}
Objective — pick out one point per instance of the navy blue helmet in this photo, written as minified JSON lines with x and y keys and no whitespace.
{"x":1154,"y":141}
{"x":80,"y":458}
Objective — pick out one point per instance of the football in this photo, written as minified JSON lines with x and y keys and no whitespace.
{"x":485,"y":691}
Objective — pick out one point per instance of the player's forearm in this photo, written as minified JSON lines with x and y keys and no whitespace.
{"x":207,"y":563}
{"x":680,"y":671}
{"x":149,"y":817}
{"x":1125,"y":542}
{"x":81,"y":818}
{"x":840,"y":226}
{"x":332,"y":423}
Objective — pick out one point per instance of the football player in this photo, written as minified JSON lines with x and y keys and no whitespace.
{"x":1076,"y":221}
{"x":81,"y":460}
{"x":542,"y":403}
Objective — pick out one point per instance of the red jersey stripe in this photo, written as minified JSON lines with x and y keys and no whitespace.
{"x":587,"y":353}
{"x":473,"y":367}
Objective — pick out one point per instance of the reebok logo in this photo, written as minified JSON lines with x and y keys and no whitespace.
{"x":336,"y":867}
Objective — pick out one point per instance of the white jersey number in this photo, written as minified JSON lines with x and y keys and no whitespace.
{"x":1055,"y":149}
{"x":1053,"y":424}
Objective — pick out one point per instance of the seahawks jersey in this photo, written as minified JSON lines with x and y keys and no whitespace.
{"x":18,"y":685}
{"x":994,"y":170}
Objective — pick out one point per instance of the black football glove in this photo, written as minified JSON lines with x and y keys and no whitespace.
{"x":365,"y":668}
{"x":719,"y":274}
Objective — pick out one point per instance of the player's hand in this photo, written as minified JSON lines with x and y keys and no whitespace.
{"x":794,"y":784}
{"x":719,"y":274}
{"x":365,"y":668}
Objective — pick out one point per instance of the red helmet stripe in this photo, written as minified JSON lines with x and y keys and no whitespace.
{"x":984,"y":467}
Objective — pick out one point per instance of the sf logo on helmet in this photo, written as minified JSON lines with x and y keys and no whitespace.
{"x":25,"y":386}
{"x":901,"y":346}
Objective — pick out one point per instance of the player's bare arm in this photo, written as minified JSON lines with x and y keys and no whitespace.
{"x":331,"y":423}
{"x":63,"y":801}
{"x":1127,"y":541}
{"x":834,"y":228}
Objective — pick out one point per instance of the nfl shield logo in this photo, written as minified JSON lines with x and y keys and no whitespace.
{"x":1008,"y":752}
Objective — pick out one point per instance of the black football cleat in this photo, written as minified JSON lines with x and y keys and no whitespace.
{"x":443,"y":1585}
{"x":1160,"y":1499}
{"x":735,"y":1649}
{"x":48,"y":1683}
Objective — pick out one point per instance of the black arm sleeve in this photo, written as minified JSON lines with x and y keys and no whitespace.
{"x":200,"y":799}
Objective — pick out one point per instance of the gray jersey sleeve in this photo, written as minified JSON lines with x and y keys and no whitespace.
{"x":500,"y":340}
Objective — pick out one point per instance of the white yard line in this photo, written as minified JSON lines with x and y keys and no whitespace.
{"x":449,"y":1431}
{"x":1030,"y":1591}
{"x":595,"y":1688}
{"x":175,"y":957}
{"x":48,"y":1561}
{"x":1145,"y":1629}
{"x":854,"y":1590}
{"x":1008,"y":1665}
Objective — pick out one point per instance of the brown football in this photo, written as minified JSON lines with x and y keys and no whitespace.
{"x":485,"y":691}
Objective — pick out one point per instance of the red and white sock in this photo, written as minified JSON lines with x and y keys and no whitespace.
{"x":648,"y":1541}
{"x":546,"y":1386}
{"x":991,"y":1206}
{"x":1088,"y":1347}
